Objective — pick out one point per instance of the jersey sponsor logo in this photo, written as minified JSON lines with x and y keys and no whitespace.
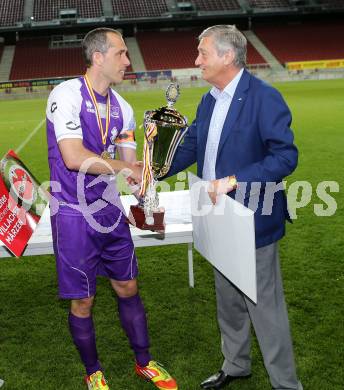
{"x":72,"y":126}
{"x":114,"y":112}
{"x":53,"y":107}
{"x":89,"y":104}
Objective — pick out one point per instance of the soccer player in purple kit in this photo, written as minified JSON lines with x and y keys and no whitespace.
{"x":87,"y":122}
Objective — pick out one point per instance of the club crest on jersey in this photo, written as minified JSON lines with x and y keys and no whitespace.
{"x":114,"y":112}
{"x":89,"y":107}
{"x":22,"y":184}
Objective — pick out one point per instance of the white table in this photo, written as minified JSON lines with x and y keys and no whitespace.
{"x":177,"y":219}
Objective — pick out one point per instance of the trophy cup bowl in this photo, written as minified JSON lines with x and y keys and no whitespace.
{"x":164,"y":129}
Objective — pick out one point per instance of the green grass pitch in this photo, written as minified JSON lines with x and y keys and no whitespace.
{"x":36,"y":351}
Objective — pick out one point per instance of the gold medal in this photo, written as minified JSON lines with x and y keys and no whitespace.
{"x":105,"y":155}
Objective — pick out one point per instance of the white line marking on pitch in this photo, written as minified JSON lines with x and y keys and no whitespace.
{"x":17,"y":122}
{"x":33,"y":132}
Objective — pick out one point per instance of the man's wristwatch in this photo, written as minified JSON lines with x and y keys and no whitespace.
{"x":232,"y":181}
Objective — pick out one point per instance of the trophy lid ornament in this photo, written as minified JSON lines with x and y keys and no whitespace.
{"x":167,"y":116}
{"x":172,"y":94}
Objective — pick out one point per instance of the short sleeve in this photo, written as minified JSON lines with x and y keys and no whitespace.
{"x":126,"y":137}
{"x":63,"y":110}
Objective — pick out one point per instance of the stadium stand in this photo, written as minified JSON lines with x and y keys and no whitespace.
{"x":331,"y":4}
{"x":253,"y":57}
{"x":34,"y":59}
{"x":303,"y":42}
{"x":139,"y":8}
{"x":269,"y":3}
{"x":216,"y":5}
{"x":11,"y":12}
{"x":49,"y":9}
{"x":177,"y":49}
{"x":168,"y":49}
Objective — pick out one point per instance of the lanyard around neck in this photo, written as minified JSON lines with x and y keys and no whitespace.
{"x":95,"y":104}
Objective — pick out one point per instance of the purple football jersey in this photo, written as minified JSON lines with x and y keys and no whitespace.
{"x":71,"y":114}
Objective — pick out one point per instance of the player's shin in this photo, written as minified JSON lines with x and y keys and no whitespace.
{"x":83,"y":334}
{"x":133,"y":319}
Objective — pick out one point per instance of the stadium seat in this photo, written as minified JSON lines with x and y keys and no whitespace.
{"x":216,"y":5}
{"x":49,"y":9}
{"x":33,"y":58}
{"x":303,"y":42}
{"x":253,"y":57}
{"x":177,"y":49}
{"x":269,"y":3}
{"x":168,"y":49}
{"x":11,"y":12}
{"x":139,"y":8}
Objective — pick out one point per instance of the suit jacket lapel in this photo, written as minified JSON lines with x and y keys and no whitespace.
{"x":234,"y":109}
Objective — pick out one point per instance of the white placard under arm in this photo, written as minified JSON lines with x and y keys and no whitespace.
{"x":224,"y":235}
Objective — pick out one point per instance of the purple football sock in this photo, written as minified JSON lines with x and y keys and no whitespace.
{"x":133,"y":319}
{"x":84,"y":338}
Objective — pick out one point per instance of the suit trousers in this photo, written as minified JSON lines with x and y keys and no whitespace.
{"x":269,"y":318}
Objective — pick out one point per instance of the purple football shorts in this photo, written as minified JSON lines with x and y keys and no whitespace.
{"x":83,"y":251}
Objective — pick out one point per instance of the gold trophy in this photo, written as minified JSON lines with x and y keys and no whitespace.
{"x":164,"y":129}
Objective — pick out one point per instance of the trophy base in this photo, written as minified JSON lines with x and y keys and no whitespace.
{"x":137,"y":218}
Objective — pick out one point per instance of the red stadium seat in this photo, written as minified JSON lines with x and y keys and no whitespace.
{"x":303,"y":42}
{"x":34,"y":59}
{"x":253,"y":57}
{"x":168,"y":49}
{"x":177,"y":49}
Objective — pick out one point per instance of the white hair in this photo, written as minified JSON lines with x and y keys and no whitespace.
{"x":228,"y":37}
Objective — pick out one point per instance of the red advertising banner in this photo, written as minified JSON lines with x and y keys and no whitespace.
{"x":22,"y":203}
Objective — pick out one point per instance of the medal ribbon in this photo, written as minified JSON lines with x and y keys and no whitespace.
{"x":147,"y":174}
{"x":95,"y":104}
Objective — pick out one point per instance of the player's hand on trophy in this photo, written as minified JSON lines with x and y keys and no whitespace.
{"x":134,"y":176}
{"x":133,"y":184}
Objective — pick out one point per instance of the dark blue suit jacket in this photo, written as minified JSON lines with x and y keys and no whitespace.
{"x":256,"y":146}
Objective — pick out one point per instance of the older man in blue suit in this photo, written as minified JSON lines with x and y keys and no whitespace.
{"x":243,"y":145}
